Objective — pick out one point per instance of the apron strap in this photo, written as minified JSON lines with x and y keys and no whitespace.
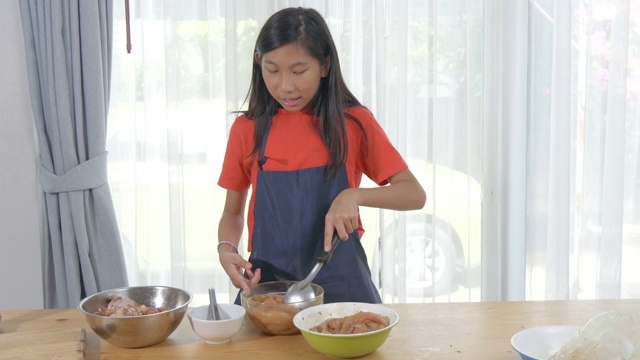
{"x":263,"y":145}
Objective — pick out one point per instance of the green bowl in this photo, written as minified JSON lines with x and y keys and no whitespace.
{"x":343,"y":345}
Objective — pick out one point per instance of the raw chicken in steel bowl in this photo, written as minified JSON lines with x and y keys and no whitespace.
{"x":138,"y":316}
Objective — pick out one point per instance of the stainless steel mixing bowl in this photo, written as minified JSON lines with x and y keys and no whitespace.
{"x":137,"y":331}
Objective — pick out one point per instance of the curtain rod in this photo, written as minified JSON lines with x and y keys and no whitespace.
{"x":127,"y":22}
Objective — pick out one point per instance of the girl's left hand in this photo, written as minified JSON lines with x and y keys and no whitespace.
{"x":237,"y":267}
{"x":342,"y":217}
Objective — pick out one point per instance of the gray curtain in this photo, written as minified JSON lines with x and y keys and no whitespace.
{"x":68,"y":46}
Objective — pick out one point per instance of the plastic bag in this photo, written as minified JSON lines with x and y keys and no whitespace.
{"x":613,"y":335}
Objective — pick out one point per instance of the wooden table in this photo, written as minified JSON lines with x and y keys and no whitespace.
{"x":425,"y":331}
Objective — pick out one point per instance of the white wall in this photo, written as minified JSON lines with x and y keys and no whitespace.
{"x":20,"y":221}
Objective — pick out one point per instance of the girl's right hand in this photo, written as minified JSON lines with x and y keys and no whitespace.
{"x":236,"y":268}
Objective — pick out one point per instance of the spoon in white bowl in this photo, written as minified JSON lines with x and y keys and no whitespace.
{"x":213,"y":313}
{"x":301,"y":291}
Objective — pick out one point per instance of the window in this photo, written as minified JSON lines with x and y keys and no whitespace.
{"x":520,"y":160}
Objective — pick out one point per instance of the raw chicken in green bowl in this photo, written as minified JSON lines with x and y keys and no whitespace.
{"x":344,"y":329}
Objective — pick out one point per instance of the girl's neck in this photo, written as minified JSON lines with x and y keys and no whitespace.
{"x":306,"y":111}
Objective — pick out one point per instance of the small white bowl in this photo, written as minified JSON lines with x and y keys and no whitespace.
{"x":217,"y":331}
{"x":540,"y":343}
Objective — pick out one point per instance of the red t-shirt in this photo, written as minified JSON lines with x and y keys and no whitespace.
{"x":293,"y":143}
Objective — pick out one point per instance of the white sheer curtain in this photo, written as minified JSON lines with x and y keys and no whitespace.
{"x":485,"y":99}
{"x":560,"y":189}
{"x":582,"y":150}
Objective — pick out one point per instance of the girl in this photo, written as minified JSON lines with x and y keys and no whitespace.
{"x":302,"y":146}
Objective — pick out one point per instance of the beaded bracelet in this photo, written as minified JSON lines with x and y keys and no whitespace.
{"x":228,"y":243}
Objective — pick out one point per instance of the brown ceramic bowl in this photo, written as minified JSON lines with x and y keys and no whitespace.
{"x":266,"y":309}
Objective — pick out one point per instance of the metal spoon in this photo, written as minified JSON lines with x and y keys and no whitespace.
{"x":301,"y":291}
{"x":213,"y":313}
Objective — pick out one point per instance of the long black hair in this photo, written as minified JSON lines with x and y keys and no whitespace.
{"x":308,"y":29}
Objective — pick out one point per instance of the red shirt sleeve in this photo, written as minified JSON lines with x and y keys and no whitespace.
{"x":376,"y":156}
{"x":238,"y":161}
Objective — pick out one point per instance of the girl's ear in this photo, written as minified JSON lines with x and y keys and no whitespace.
{"x":325,"y":68}
{"x":256,"y":58}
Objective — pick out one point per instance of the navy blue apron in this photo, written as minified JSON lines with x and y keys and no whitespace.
{"x":288,"y":233}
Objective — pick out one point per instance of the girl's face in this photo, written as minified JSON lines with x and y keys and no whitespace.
{"x":292,"y":76}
